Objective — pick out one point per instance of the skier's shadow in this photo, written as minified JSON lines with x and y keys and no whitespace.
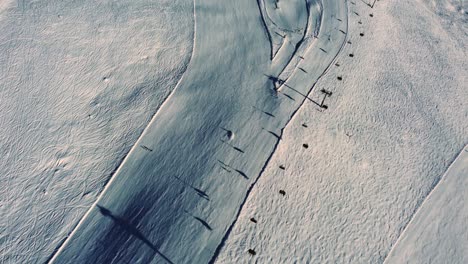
{"x":131,"y":230}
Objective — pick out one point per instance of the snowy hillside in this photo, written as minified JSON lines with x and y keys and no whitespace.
{"x":79,"y":81}
{"x":219,"y":131}
{"x":438,"y":232}
{"x":394,"y":124}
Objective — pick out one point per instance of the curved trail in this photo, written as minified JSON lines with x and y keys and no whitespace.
{"x":310,"y":53}
{"x":179,"y":190}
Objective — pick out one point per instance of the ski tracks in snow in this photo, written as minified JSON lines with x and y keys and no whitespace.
{"x":200,"y":95}
{"x":307,"y":49}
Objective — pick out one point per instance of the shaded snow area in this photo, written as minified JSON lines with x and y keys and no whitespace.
{"x":438,"y":232}
{"x":297,"y":131}
{"x":394,"y":124}
{"x":79,"y":81}
{"x":178,"y":192}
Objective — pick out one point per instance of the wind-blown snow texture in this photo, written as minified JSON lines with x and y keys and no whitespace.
{"x":79,"y":81}
{"x":438,"y":232}
{"x":393,"y":126}
{"x":180,"y":188}
{"x":217,"y":152}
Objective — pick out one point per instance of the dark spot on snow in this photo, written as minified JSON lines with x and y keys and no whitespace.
{"x":326,"y":92}
{"x":145,"y":148}
{"x":323,"y":50}
{"x":253,"y":220}
{"x":242,"y":173}
{"x":274,"y":79}
{"x":265,"y":112}
{"x":203,"y":222}
{"x":234,"y":147}
{"x":337,"y":64}
{"x":282,"y":192}
{"x":305,"y":145}
{"x":229,"y":133}
{"x":238,"y":149}
{"x":201,"y":193}
{"x":349,"y":41}
{"x":252,"y":252}
{"x":304,"y":125}
{"x":371,"y":15}
{"x":351,"y":55}
{"x":226,"y":169}
{"x":288,"y":96}
{"x":302,"y":69}
{"x":283,"y":36}
{"x":274,"y":134}
{"x":361,"y":34}
{"x":224,"y":166}
{"x":289,"y":86}
{"x":282,"y":167}
{"x":339,"y":78}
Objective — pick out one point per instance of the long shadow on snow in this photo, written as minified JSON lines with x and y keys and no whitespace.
{"x":123,"y":235}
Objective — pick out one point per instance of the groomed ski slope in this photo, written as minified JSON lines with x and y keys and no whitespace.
{"x":82,"y":81}
{"x":438,"y":232}
{"x":394,"y":124}
{"x":181,"y":187}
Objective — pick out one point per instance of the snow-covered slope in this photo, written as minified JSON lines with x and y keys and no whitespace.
{"x":242,"y":155}
{"x":394,"y":124}
{"x":438,"y":233}
{"x":180,"y":188}
{"x":79,"y":81}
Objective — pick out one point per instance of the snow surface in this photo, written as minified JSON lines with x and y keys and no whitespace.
{"x":79,"y":81}
{"x":393,"y":126}
{"x":438,"y":233}
{"x":355,"y":165}
{"x":180,"y":188}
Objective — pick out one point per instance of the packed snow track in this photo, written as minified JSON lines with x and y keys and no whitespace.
{"x":177,"y":194}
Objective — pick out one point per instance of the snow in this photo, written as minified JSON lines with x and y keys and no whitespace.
{"x":182,"y":184}
{"x":329,"y":122}
{"x":393,"y":126}
{"x":438,"y":232}
{"x":79,"y":81}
